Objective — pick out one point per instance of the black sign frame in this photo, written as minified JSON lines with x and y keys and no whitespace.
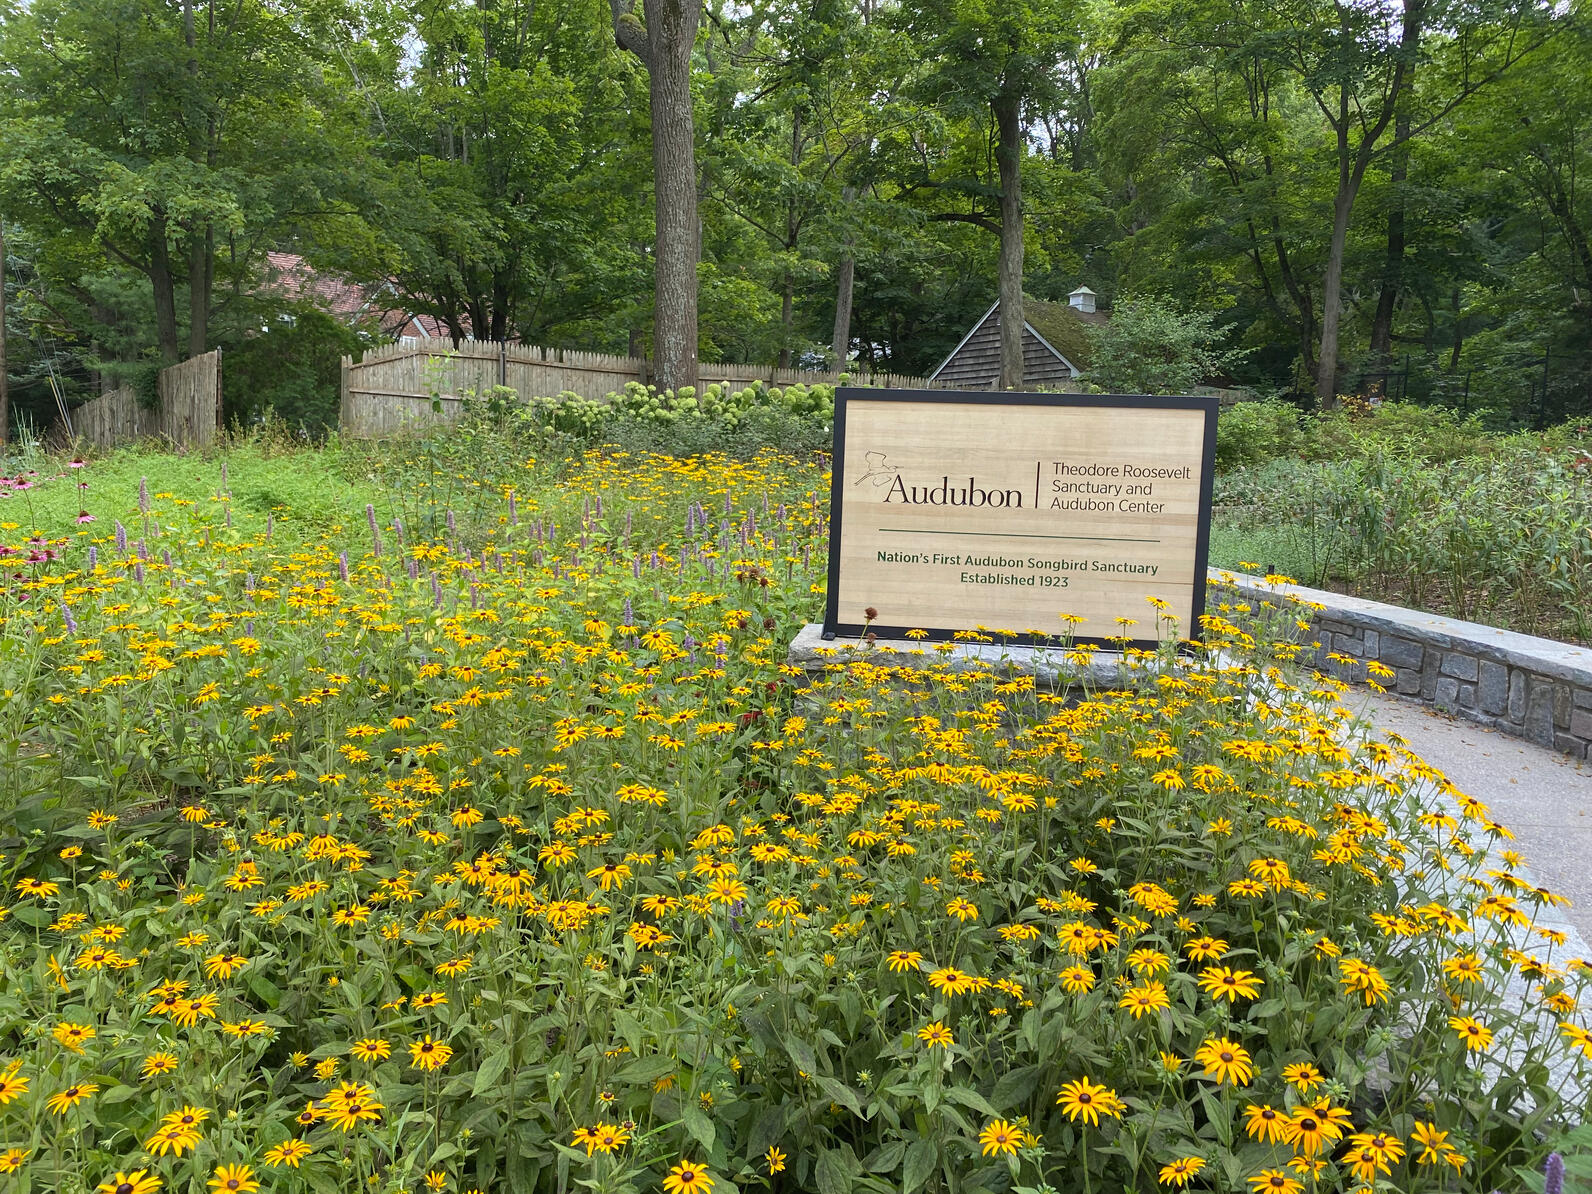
{"x":833,"y":628}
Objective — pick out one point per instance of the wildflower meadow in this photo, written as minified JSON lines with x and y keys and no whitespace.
{"x":462,"y":827}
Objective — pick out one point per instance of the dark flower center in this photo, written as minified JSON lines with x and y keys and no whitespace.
{"x":124,"y":1188}
{"x":1227,"y":1057}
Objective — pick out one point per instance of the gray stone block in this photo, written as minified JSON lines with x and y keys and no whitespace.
{"x":1467,"y":696}
{"x":1461,"y":667}
{"x":1517,"y":696}
{"x":1348,"y":644}
{"x":1583,"y":698}
{"x":1538,"y":725}
{"x":1492,"y":689}
{"x":1408,"y":682}
{"x":1445,"y":695}
{"x":1561,"y":706}
{"x":1570,"y":745}
{"x":1400,"y":652}
{"x":1372,"y":643}
{"x":1581,"y":723}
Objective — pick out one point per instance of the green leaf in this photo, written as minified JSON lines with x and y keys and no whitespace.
{"x":698,"y":1125}
{"x":1014,"y":1087}
{"x":921,"y":1159}
{"x":492,"y":1069}
{"x":834,"y":1171}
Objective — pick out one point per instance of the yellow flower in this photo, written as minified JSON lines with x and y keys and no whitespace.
{"x":688,"y":1177}
{"x":370,"y":1049}
{"x":288,"y":1153}
{"x":1147,"y":998}
{"x":774,"y":1160}
{"x":1000,"y":1138}
{"x":11,"y":1160}
{"x":1226,"y":1061}
{"x":936,"y":1035}
{"x":234,"y":1179}
{"x":1082,"y":1099}
{"x":64,"y":1100}
{"x":1476,"y":1035}
{"x":1266,"y":1124}
{"x":904,"y":959}
{"x":1222,"y":982}
{"x":1275,"y":1181}
{"x":1181,"y":1171}
{"x":428,"y":1054}
{"x":72,"y":1036}
{"x":137,"y":1182}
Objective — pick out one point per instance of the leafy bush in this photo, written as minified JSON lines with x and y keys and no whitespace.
{"x":1506,"y":537}
{"x":1153,"y":346}
{"x":1251,"y":433}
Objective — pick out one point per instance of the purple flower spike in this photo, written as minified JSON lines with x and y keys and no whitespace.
{"x":342,"y":566}
{"x":436,"y":592}
{"x":1554,"y":1171}
{"x":121,"y":538}
{"x":143,"y":495}
{"x":375,"y":534}
{"x":71,"y":628}
{"x":414,"y":570}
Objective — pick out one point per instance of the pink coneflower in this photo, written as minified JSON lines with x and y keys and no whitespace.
{"x":84,"y":516}
{"x":76,"y":462}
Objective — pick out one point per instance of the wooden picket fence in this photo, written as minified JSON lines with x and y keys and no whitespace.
{"x":396,"y":388}
{"x":189,"y":411}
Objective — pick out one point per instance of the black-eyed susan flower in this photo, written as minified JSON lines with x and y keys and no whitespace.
{"x":1000,"y":1138}
{"x":288,"y":1153}
{"x":1226,"y":1061}
{"x":1085,"y":1100}
{"x":1266,"y":1124}
{"x":234,"y":1179}
{"x":1475,"y":1035}
{"x":68,"y":1097}
{"x":1275,"y":1181}
{"x":687,"y":1177}
{"x":1150,"y":997}
{"x":428,"y":1054}
{"x":1181,"y":1171}
{"x":139,"y":1181}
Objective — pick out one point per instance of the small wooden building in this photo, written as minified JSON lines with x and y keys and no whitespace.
{"x":1055,"y":346}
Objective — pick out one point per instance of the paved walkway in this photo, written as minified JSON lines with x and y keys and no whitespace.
{"x":1545,"y":800}
{"x":1542,"y":796}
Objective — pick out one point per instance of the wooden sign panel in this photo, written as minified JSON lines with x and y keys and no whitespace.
{"x":955,"y":511}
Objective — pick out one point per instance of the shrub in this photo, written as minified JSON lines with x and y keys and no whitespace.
{"x":1251,"y":433}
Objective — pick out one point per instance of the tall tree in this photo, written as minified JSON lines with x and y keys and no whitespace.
{"x":1002,"y":61}
{"x":164,"y":139}
{"x":663,"y":38}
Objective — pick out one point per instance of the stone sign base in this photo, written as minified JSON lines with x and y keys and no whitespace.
{"x":811,"y":652}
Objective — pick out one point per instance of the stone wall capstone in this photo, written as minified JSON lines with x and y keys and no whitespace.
{"x":1533,"y":688}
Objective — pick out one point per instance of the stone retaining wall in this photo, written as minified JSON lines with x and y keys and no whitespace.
{"x":1534,"y":688}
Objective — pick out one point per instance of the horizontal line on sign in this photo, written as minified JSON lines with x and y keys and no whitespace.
{"x":1009,"y":535}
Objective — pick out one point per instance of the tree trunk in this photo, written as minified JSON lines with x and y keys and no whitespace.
{"x":787,"y":312}
{"x":1008,"y":154}
{"x":1393,"y":264}
{"x":5,"y":393}
{"x":841,"y":346}
{"x":201,"y":280}
{"x":165,"y":292}
{"x":671,"y":34}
